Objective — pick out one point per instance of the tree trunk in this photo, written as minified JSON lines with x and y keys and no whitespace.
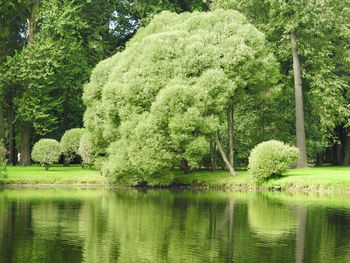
{"x":26,"y":136}
{"x":230,"y":132}
{"x":335,"y":149}
{"x":207,"y":3}
{"x":223,"y":155}
{"x":11,"y":134}
{"x":2,"y":125}
{"x":337,"y":154}
{"x":328,"y":155}
{"x":185,"y":167}
{"x":319,"y":158}
{"x":32,"y":20}
{"x":299,"y":108}
{"x":65,"y":162}
{"x":346,"y":160}
{"x":213,"y":156}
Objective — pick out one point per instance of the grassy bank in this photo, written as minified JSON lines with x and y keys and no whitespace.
{"x":327,"y":178}
{"x":55,"y":175}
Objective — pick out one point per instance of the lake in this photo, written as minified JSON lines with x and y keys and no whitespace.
{"x":166,"y":225}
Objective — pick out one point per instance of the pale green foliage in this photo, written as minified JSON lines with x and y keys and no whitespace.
{"x":85,"y":150}
{"x":139,"y":157}
{"x":46,"y":152}
{"x":70,"y":143}
{"x":161,"y":100}
{"x":271,"y":158}
{"x":94,"y":115}
{"x":99,"y":162}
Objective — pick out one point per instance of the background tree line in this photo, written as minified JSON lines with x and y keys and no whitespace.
{"x":310,"y":39}
{"x":47,"y":51}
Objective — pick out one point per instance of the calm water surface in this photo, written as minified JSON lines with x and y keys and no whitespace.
{"x":142,"y":225}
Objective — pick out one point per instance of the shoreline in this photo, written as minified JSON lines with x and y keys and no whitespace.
{"x":176,"y":187}
{"x":325,"y":179}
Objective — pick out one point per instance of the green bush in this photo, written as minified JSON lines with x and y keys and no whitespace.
{"x":3,"y":161}
{"x":85,"y":151}
{"x":70,"y":142}
{"x":271,"y":158}
{"x":99,"y":162}
{"x":46,"y":152}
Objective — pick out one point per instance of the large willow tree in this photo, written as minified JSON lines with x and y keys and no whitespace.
{"x":172,"y":91}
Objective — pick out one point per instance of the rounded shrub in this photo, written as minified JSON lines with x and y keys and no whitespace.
{"x":70,"y":142}
{"x":271,"y":158}
{"x":85,"y":151}
{"x":46,"y":152}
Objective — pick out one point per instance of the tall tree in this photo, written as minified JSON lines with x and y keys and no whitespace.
{"x":302,"y":41}
{"x":13,"y":15}
{"x":299,"y":105}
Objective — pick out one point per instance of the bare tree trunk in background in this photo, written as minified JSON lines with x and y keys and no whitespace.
{"x":65,"y":161}
{"x":338,"y":154}
{"x":319,"y":158}
{"x":224,"y":158}
{"x":11,"y":134}
{"x":230,"y":132}
{"x":2,"y":125}
{"x":346,"y":160}
{"x":26,"y":136}
{"x":299,"y":107}
{"x":185,"y":166}
{"x":213,"y":156}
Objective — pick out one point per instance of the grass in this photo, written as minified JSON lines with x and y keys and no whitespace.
{"x":58,"y":174}
{"x":326,"y":178}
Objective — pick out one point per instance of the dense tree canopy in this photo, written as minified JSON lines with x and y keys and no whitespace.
{"x":322,"y":38}
{"x":160,"y":102}
{"x":47,"y":51}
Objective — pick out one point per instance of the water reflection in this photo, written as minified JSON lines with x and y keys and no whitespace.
{"x":145,"y":225}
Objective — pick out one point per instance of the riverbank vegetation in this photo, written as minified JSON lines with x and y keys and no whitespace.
{"x":327,"y":178}
{"x":316,"y":179}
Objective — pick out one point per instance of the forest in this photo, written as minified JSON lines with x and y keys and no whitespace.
{"x":167,"y":85}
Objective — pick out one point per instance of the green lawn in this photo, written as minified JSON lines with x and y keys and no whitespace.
{"x":319,"y":178}
{"x":327,"y":178}
{"x":55,"y":175}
